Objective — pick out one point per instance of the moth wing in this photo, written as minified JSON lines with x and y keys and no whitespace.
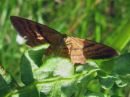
{"x":95,"y":50}
{"x":36,"y":33}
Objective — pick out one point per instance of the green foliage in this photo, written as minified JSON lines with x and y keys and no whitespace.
{"x":57,"y":77}
{"x":36,"y":75}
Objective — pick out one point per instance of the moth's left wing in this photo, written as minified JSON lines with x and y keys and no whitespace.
{"x":95,"y":50}
{"x":36,"y":33}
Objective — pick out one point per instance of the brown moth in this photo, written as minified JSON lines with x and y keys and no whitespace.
{"x":78,"y":50}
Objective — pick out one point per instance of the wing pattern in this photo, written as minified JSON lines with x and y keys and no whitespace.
{"x":95,"y":50}
{"x":36,"y":33}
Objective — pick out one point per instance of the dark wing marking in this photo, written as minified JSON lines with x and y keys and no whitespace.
{"x":95,"y":50}
{"x":35,"y":33}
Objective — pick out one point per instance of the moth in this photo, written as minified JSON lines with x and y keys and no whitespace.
{"x":78,"y":50}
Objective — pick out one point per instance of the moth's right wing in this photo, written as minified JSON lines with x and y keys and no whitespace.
{"x":36,"y":33}
{"x":93,"y":50}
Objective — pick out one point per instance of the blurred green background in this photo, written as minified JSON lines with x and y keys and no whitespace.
{"x":106,"y":21}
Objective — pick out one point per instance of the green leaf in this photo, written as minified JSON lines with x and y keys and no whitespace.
{"x":119,"y":65}
{"x":68,"y":90}
{"x":56,"y":91}
{"x":4,"y":88}
{"x":29,"y":92}
{"x":122,"y":64}
{"x":30,"y":61}
{"x":107,"y":82}
{"x":37,"y":53}
{"x":94,"y":85}
{"x":54,"y":66}
{"x":26,"y":69}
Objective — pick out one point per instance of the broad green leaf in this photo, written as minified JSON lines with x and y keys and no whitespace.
{"x":119,"y":65}
{"x":26,"y":70}
{"x":30,"y":61}
{"x":56,"y":66}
